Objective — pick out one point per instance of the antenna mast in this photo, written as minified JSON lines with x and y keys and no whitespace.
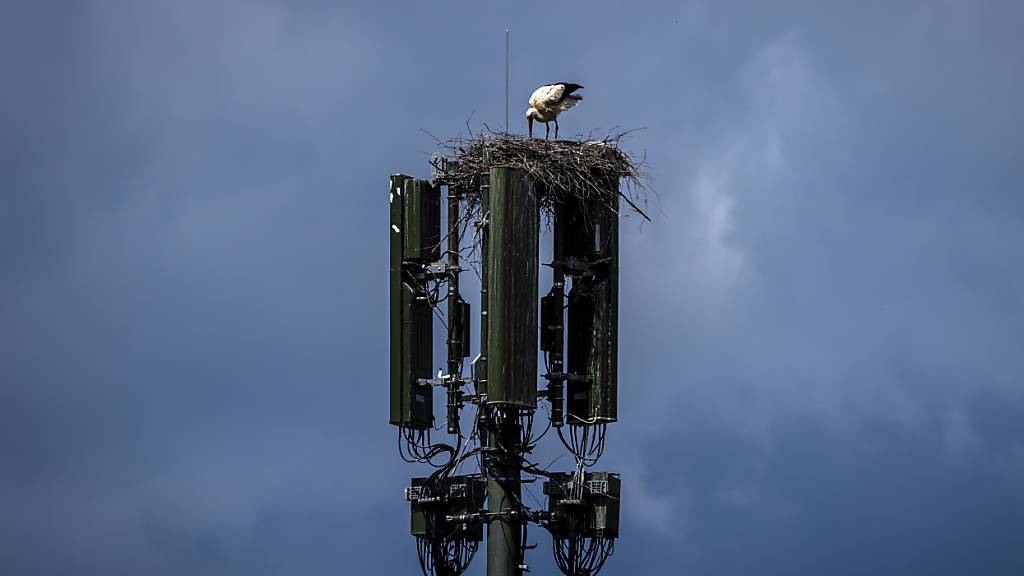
{"x":506,"y":80}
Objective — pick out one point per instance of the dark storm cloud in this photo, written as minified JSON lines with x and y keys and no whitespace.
{"x":819,"y":333}
{"x":848,"y":305}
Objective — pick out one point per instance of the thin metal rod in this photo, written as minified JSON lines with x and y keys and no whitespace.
{"x":556,"y":393}
{"x":506,"y":80}
{"x":455,"y":328}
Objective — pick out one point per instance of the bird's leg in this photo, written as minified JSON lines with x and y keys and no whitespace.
{"x":556,"y":128}
{"x":547,"y":130}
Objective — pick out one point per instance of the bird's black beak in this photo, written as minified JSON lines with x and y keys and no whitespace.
{"x":529,"y":122}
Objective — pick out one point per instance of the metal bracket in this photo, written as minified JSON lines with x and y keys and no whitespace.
{"x":572,"y":266}
{"x":441,"y":269}
{"x":566,"y":377}
{"x":439,"y":175}
{"x":432,"y":271}
{"x":442,"y":380}
{"x":476,"y":368}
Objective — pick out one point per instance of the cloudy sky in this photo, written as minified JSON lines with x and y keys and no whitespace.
{"x":821,"y":363}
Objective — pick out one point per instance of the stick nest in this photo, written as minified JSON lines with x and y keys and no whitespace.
{"x":589,"y":169}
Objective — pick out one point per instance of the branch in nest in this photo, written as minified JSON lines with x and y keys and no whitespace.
{"x":589,"y":168}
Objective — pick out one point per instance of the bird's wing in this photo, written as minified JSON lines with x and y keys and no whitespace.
{"x":547,"y":96}
{"x":568,"y":101}
{"x":569,"y":88}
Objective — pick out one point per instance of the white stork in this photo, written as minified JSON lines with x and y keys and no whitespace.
{"x":550,"y":100}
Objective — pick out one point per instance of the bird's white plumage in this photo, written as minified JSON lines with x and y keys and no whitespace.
{"x":545,"y":97}
{"x":550,"y":100}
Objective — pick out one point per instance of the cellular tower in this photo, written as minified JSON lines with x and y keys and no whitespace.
{"x":558,"y":348}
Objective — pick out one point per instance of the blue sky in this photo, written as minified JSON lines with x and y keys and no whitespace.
{"x":820,"y":359}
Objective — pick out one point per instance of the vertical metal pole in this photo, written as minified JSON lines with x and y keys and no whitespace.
{"x":556,"y":386}
{"x":506,"y":80}
{"x":455,"y":335}
{"x":512,"y":231}
{"x":504,"y":535}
